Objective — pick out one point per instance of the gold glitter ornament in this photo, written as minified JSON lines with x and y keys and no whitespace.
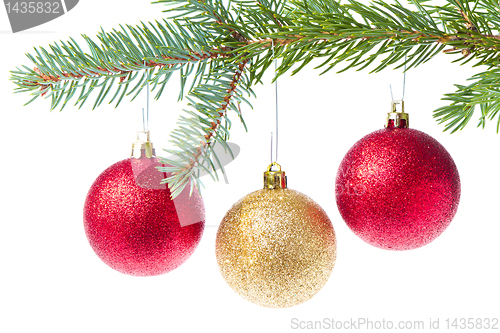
{"x":276,"y":247}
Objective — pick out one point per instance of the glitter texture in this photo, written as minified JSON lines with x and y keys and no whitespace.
{"x":134,"y":226}
{"x":398,"y":189}
{"x":276,"y":248}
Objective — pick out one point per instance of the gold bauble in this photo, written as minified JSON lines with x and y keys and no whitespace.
{"x":276,"y":247}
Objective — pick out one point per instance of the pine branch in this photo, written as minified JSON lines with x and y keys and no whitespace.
{"x":393,"y":33}
{"x":152,"y":54}
{"x":222,"y":50}
{"x":484,"y":92}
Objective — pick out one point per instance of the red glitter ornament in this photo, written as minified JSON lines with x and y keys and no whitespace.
{"x":134,"y":225}
{"x":397,"y":188}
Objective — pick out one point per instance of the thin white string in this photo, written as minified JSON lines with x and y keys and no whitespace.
{"x":404,"y":83}
{"x":145,"y":119}
{"x":276,"y":108}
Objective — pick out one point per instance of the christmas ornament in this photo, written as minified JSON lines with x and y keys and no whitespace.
{"x":397,"y":188}
{"x":133,"y":224}
{"x":276,"y":247}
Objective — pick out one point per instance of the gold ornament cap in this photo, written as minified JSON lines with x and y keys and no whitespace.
{"x":274,"y":179}
{"x":397,"y":118}
{"x":142,"y":147}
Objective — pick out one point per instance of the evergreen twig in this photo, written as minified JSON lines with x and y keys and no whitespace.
{"x":220,"y":50}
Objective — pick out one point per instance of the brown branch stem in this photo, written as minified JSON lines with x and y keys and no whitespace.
{"x":225,"y":52}
{"x":50,"y":79}
{"x":216,"y":123}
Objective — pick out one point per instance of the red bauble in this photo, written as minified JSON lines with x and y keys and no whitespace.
{"x":134,"y":226}
{"x":398,"y":188}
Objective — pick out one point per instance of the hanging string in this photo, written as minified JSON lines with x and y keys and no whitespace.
{"x":145,"y":118}
{"x":404,"y":84}
{"x":276,"y":109}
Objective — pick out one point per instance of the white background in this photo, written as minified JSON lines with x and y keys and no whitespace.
{"x":51,"y":281}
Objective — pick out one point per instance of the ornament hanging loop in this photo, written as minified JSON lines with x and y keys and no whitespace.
{"x":273,"y":164}
{"x":394,"y":106}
